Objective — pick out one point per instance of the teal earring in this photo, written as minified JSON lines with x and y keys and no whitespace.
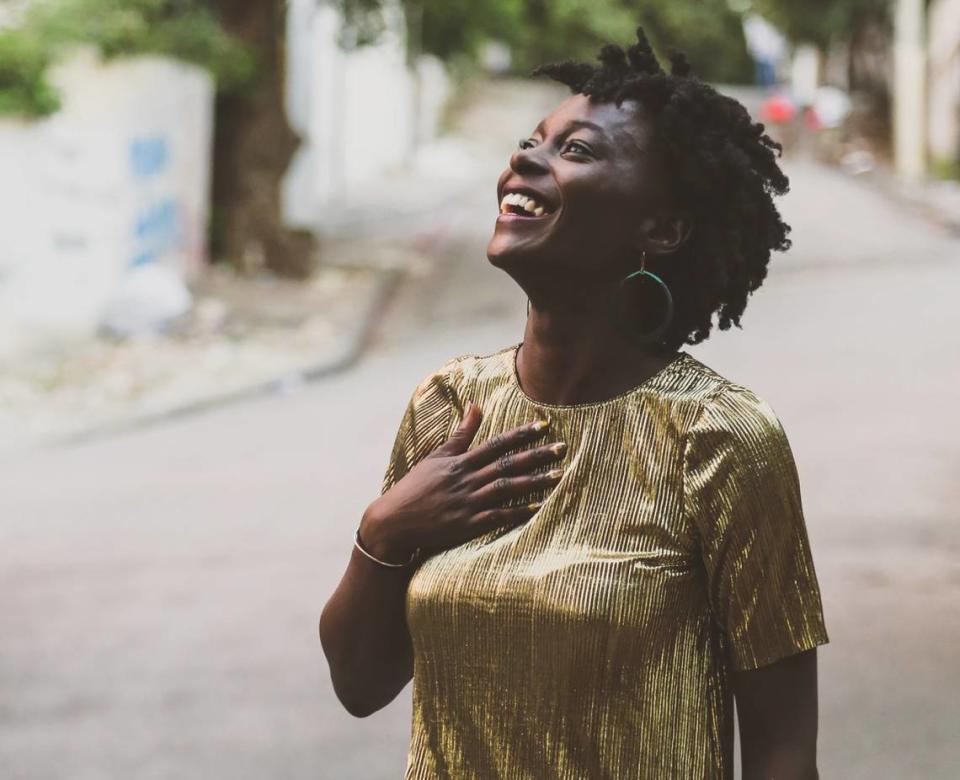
{"x":646,"y":279}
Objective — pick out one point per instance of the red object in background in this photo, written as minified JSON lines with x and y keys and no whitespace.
{"x":811,"y":119}
{"x":777,"y":109}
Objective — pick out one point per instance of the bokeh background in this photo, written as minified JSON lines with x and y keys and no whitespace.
{"x":236,"y":235}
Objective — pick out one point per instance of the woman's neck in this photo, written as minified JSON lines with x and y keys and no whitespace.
{"x":573,"y":355}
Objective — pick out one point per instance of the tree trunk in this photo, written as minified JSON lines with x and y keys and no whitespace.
{"x":869,"y":74}
{"x":253,"y":148}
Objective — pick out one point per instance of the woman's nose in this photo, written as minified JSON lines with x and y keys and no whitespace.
{"x":527,"y":160}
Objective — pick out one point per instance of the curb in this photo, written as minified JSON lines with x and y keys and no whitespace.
{"x":352,"y":347}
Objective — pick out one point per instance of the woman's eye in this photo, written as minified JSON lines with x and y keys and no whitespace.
{"x":577,"y":147}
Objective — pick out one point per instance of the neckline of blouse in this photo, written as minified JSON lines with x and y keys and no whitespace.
{"x":681,"y":357}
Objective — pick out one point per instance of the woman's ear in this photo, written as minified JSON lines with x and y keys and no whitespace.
{"x":664,"y":232}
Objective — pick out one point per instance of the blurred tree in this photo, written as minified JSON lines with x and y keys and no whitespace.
{"x":182,"y":29}
{"x":864,"y":25}
{"x":253,"y":148}
{"x":707,"y":31}
{"x":823,"y":21}
{"x":539,"y":31}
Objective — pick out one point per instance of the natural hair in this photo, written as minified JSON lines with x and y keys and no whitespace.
{"x":722,"y":169}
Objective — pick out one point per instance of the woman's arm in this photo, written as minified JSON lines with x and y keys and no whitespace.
{"x":777,"y":714}
{"x":363,"y":629}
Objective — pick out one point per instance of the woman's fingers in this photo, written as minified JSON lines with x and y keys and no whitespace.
{"x":494,"y":518}
{"x":516,"y":463}
{"x":505,"y":488}
{"x":502,"y":443}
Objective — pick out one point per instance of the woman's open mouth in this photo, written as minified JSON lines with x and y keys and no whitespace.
{"x":515,"y":204}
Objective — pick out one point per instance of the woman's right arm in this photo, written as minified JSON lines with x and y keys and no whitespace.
{"x":363,"y":629}
{"x":448,"y":498}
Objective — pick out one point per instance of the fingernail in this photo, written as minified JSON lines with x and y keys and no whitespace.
{"x":554,"y":474}
{"x":559,"y":448}
{"x":534,"y":506}
{"x":539,"y":425}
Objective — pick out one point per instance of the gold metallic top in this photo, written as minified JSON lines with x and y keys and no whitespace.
{"x":595,"y":640}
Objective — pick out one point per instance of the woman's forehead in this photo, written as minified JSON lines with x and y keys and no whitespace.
{"x":623,"y":124}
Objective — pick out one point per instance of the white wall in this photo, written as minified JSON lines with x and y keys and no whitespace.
{"x":118,"y":179}
{"x":943,"y":42}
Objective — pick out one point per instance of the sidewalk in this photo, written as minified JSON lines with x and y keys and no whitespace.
{"x":937,"y":201}
{"x":244,"y":337}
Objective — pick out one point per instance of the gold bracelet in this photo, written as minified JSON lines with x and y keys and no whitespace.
{"x":359,"y":546}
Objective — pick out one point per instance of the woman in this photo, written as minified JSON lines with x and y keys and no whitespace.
{"x":588,"y":543}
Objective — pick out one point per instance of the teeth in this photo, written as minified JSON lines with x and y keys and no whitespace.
{"x":526,"y":203}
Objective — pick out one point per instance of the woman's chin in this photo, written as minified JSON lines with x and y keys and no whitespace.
{"x":507,"y":255}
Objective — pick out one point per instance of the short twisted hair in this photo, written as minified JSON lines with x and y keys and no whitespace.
{"x":722,"y":169}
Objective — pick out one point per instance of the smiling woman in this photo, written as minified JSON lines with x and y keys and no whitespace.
{"x":590,"y":606}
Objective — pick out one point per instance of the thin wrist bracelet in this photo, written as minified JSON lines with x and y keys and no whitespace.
{"x":357,"y":543}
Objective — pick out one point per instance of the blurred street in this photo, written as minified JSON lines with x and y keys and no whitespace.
{"x":160,"y":590}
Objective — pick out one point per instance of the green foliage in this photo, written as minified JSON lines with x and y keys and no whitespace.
{"x":705,"y":30}
{"x":946,"y":168}
{"x":23,"y":87}
{"x":539,"y":31}
{"x":568,"y":29}
{"x":184,"y":29}
{"x":708,"y":32}
{"x":449,"y":28}
{"x":822,"y":21}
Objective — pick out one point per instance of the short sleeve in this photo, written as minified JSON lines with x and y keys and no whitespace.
{"x":742,"y":490}
{"x":425,"y":425}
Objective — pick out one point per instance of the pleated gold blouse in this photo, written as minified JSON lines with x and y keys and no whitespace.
{"x":595,"y":640}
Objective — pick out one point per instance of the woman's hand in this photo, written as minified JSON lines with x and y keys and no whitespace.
{"x":453,"y":495}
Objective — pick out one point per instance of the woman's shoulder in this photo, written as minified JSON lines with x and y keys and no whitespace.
{"x":725,"y":404}
{"x":471,"y":366}
{"x":457,"y":373}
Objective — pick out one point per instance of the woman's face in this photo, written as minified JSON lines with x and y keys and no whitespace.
{"x":597,"y":194}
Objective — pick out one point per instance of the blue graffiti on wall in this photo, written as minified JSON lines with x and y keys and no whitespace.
{"x":158,"y":229}
{"x":149,"y":156}
{"x":159,"y":226}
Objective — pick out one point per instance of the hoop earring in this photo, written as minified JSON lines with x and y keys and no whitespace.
{"x":528,"y":307}
{"x":616,"y":314}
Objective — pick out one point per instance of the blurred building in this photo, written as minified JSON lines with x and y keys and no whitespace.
{"x":361,"y":112}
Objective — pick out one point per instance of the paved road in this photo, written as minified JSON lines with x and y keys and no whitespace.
{"x":159,"y":591}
